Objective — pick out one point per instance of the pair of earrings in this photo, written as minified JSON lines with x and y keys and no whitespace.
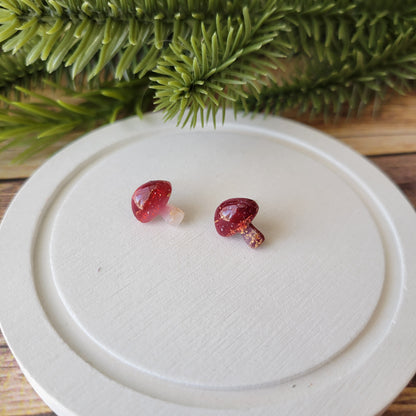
{"x":231,"y":216}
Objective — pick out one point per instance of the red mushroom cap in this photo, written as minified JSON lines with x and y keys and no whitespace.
{"x":234,"y":215}
{"x":149,"y":199}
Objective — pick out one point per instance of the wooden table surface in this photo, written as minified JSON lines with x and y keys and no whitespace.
{"x":387,"y":139}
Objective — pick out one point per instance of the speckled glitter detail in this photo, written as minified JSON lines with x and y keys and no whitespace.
{"x":234,"y":216}
{"x":150,"y":199}
{"x":252,"y":236}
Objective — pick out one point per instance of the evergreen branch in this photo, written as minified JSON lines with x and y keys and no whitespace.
{"x":73,"y":32}
{"x":226,"y":64}
{"x":37,"y":124}
{"x":219,"y":71}
{"x":332,"y":31}
{"x":351,"y":84}
{"x":201,"y":56}
{"x":136,"y":33}
{"x":15,"y":72}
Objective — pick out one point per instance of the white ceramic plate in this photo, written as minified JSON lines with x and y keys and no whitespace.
{"x":108,"y":316}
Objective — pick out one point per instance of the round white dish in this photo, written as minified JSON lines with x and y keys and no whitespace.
{"x":108,"y":316}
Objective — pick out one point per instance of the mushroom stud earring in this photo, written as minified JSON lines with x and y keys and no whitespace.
{"x":151,"y":199}
{"x":234,"y":216}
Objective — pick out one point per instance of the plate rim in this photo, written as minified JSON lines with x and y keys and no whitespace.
{"x":87,"y":147}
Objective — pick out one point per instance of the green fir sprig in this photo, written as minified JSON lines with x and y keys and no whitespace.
{"x":349,"y":85}
{"x":37,"y":124}
{"x":227,"y":65}
{"x":193,"y":58}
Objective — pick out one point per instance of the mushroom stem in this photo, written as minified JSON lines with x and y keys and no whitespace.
{"x":252,"y":236}
{"x":172,"y":215}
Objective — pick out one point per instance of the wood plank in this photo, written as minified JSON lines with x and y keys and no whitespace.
{"x":17,"y":396}
{"x":10,"y":170}
{"x":405,"y":404}
{"x":7,"y":191}
{"x":402,"y":170}
{"x":389,"y":130}
{"x":379,"y":145}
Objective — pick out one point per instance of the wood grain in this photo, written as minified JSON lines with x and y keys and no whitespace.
{"x":8,"y":190}
{"x":390,"y":130}
{"x":11,"y":170}
{"x":17,"y":396}
{"x":393,"y":136}
{"x":405,"y":404}
{"x":402,"y":170}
